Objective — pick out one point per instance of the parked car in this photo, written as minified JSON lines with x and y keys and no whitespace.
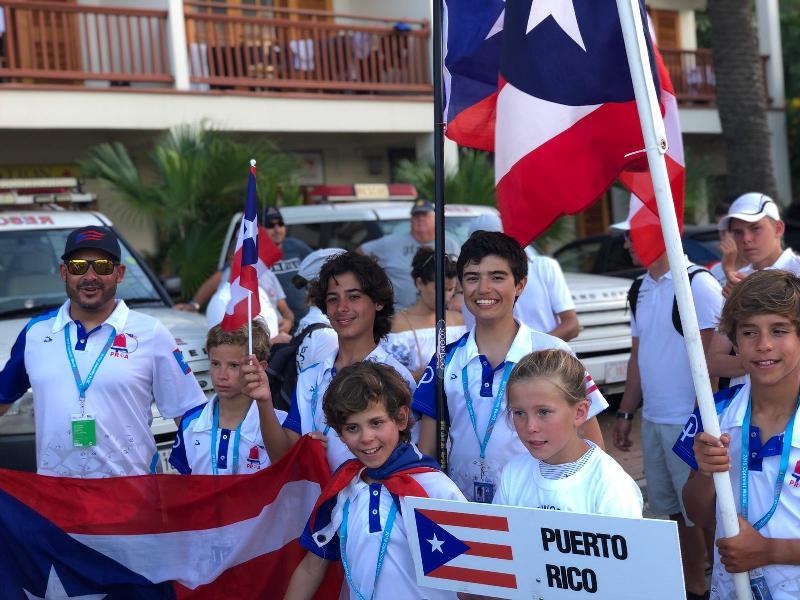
{"x":31,"y":243}
{"x":605,"y":254}
{"x":604,"y":341}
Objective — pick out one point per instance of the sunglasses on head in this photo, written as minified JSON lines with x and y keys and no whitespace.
{"x":274,"y":224}
{"x":449,"y":258}
{"x":79,"y":266}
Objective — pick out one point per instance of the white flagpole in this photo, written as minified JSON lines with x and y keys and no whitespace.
{"x":249,"y":323}
{"x":655,"y":140}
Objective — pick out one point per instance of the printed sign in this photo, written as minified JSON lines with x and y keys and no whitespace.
{"x":512,"y":552}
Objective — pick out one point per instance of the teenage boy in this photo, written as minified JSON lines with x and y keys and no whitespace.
{"x":223,"y":436}
{"x":357,"y":518}
{"x":761,"y":317}
{"x":492,"y":268}
{"x":754,"y":222}
{"x":659,"y":373}
{"x":356,"y":295}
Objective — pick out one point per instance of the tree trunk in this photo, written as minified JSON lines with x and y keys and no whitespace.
{"x":741,"y":97}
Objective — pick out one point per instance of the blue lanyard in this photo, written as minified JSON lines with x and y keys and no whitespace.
{"x":214,"y":429}
{"x":387,"y":532}
{"x":745,"y":467}
{"x":498,"y":402}
{"x":314,"y":399}
{"x":83,"y":386}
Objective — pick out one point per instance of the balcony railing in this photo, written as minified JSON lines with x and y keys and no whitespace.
{"x":75,"y":44}
{"x":692,"y":74}
{"x":240,"y":46}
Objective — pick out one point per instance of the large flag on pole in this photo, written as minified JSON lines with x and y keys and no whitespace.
{"x":159,"y":536}
{"x":570,"y":120}
{"x":244,"y":266}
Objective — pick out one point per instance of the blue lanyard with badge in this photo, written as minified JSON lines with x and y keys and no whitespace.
{"x":483,"y":488}
{"x":214,"y":433}
{"x":758,"y":583}
{"x":387,"y":532}
{"x":84,"y":430}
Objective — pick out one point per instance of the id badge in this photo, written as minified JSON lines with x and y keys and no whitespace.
{"x":758,"y":585}
{"x":84,"y":433}
{"x":483,"y":492}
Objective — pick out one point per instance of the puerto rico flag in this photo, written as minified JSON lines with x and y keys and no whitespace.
{"x":244,"y":266}
{"x":159,"y":536}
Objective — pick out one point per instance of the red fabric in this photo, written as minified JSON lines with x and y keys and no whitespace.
{"x":474,"y":126}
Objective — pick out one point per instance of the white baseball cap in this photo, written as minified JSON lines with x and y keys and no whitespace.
{"x":485,"y":222}
{"x":312,"y":264}
{"x":750,"y":207}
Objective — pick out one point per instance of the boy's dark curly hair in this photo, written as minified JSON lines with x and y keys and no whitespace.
{"x":374,"y":283}
{"x":493,"y":243}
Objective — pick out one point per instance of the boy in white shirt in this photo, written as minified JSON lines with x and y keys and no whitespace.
{"x":223,"y":436}
{"x":492,"y":268}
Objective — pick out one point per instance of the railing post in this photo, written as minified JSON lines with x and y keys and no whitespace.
{"x":178,"y":49}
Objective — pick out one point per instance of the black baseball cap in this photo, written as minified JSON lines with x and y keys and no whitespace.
{"x":272,"y":214}
{"x":93,"y":238}
{"x":421,"y":205}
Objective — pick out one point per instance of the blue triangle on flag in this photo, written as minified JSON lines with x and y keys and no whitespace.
{"x":437,"y":546}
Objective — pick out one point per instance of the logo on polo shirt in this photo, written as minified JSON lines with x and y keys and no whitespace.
{"x":254,"y":458}
{"x":124,"y":344}
{"x":795,"y":482}
{"x":182,"y":363}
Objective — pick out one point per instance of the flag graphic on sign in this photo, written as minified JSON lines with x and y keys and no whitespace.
{"x":160,"y":536}
{"x":450,"y":548}
{"x":244,"y":266}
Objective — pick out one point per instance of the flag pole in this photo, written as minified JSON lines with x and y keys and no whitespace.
{"x":655,"y":141}
{"x":439,"y":240}
{"x":249,"y":323}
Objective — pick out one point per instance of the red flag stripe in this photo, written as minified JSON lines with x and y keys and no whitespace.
{"x":465,"y":520}
{"x":489,"y":550}
{"x":505,"y":580}
{"x":90,"y":506}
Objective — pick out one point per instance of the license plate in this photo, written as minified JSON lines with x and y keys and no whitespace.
{"x":616,"y":371}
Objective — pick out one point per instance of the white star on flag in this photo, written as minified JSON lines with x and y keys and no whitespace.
{"x":55,"y":590}
{"x":562,"y":11}
{"x":498,"y":25}
{"x":250,"y":229}
{"x":436,"y":544}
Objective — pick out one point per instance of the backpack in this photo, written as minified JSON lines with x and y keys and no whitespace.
{"x":282,"y":368}
{"x":633,"y":296}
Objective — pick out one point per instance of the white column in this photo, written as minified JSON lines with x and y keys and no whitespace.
{"x":178,"y":49}
{"x":769,"y":42}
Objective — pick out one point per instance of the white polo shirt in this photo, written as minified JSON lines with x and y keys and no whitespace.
{"x":484,"y":380}
{"x":787,"y":261}
{"x":369,"y":508}
{"x":545,"y":295}
{"x":191,"y":453}
{"x":142,"y":365}
{"x":666,"y":376}
{"x":783,"y":580}
{"x":306,"y":414}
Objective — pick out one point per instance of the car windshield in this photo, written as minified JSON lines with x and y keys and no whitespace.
{"x":30,"y":280}
{"x":351,"y":234}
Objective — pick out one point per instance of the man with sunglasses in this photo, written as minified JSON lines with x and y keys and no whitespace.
{"x":755,"y":223}
{"x":95,"y":367}
{"x":396,"y":251}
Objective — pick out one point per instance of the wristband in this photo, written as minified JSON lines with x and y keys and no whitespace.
{"x":621,"y":414}
{"x":195,"y":305}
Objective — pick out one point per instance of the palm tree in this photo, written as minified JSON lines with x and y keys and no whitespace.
{"x":741,"y":97}
{"x":200,"y":181}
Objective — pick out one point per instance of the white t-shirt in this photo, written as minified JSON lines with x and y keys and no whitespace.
{"x":783,"y":580}
{"x":414,"y":347}
{"x":599,"y":487}
{"x":191,"y":453}
{"x":142,"y":365}
{"x":306,"y":414}
{"x":465,"y":465}
{"x":369,"y":507}
{"x":667,"y":387}
{"x":545,"y":295}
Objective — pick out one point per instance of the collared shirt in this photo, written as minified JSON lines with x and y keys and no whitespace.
{"x":304,"y":419}
{"x":666,"y":377}
{"x":143,"y":365}
{"x":369,"y":507}
{"x":764,"y":463}
{"x":191,"y":452}
{"x":787,"y":261}
{"x":484,"y":380}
